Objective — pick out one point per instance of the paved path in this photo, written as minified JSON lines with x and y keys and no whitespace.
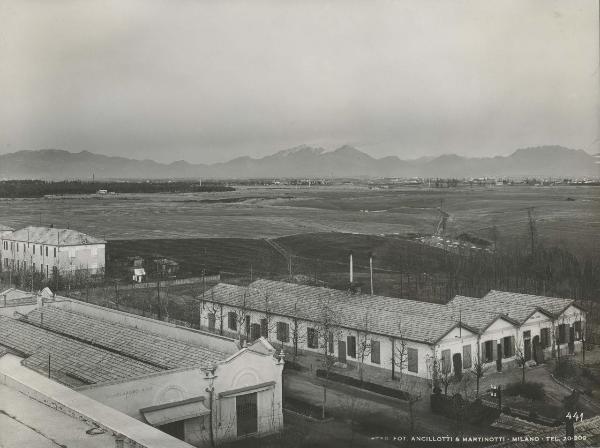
{"x":374,"y":414}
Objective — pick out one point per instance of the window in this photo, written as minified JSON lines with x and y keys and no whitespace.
{"x":330,"y":342}
{"x":508,"y":347}
{"x":446,"y":364}
{"x":545,"y":337}
{"x":211,"y":321}
{"x":34,"y":249}
{"x":351,"y":342}
{"x":17,"y":247}
{"x":46,"y":250}
{"x":312,"y":338}
{"x":413,"y":359}
{"x":375,"y":355}
{"x":562,"y":333}
{"x":72,"y":256}
{"x":232,"y":321}
{"x":283,"y":332}
{"x":467,"y":363}
{"x":264,"y":328}
{"x":488,"y":351}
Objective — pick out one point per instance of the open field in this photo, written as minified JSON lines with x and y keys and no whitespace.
{"x":567,"y":215}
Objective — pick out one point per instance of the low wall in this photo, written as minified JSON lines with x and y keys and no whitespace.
{"x":179,"y":281}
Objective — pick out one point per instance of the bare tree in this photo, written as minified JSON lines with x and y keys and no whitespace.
{"x":478,"y":368}
{"x":520,"y":356}
{"x":363,"y":345}
{"x":327,"y":329}
{"x":399,"y":353}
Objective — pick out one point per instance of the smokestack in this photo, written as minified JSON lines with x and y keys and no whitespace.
{"x":351,"y":269}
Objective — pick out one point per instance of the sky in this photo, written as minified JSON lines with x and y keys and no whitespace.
{"x":207,"y":81}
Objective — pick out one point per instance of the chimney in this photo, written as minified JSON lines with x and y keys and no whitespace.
{"x":351,"y":269}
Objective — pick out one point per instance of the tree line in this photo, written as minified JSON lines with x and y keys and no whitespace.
{"x":40,"y":188}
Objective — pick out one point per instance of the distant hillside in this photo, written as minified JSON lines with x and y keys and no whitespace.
{"x":301,"y":161}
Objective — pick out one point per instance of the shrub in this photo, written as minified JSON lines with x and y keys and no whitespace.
{"x":565,"y":368}
{"x":531,"y":390}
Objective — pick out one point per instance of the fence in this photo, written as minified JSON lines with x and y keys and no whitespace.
{"x":175,"y":282}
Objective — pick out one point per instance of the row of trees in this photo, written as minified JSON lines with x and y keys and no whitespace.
{"x":39,"y":188}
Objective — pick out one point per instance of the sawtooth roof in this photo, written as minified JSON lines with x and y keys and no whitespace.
{"x":52,"y":236}
{"x":551,"y":305}
{"x":518,"y":312}
{"x":159,"y":351}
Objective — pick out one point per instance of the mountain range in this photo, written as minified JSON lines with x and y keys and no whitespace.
{"x":301,"y":161}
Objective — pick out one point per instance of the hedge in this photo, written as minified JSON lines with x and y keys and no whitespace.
{"x":377,"y":388}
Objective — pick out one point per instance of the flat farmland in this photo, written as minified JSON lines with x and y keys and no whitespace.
{"x":566,"y":216}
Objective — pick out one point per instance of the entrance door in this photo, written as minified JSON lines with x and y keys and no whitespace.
{"x":342,"y":352}
{"x":254,"y":332}
{"x":457,"y":364}
{"x":571,"y":340}
{"x":174,"y":429}
{"x":538,"y":353}
{"x":246,"y":412}
{"x":499,"y":357}
{"x":527,"y":349}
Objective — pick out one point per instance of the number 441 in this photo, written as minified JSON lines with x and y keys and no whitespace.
{"x":575,"y":416}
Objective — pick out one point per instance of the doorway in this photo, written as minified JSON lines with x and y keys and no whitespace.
{"x":174,"y":429}
{"x":538,"y":352}
{"x":342,"y":352}
{"x":247,"y":414}
{"x":457,"y":364}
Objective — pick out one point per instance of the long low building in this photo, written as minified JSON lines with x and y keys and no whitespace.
{"x":393,"y":333}
{"x":199,"y":387}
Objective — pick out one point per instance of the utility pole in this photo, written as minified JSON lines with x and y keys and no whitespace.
{"x":371,"y":270}
{"x":532,"y":229}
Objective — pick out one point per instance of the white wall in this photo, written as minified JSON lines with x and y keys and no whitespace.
{"x":246,"y":369}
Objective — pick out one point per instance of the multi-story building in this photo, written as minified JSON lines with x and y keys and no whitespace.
{"x":4,"y":230}
{"x":50,"y":250}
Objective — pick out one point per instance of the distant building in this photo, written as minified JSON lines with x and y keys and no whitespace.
{"x":165,"y":267}
{"x":4,"y":230}
{"x":50,"y":250}
{"x":490,"y":329}
{"x":196,"y":386}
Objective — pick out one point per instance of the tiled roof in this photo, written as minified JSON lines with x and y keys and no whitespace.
{"x":425,"y":322}
{"x":16,"y":296}
{"x":159,"y":351}
{"x":552,"y":305}
{"x":382,"y":315}
{"x":68,"y":357}
{"x":52,"y":236}
{"x":518,"y":312}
